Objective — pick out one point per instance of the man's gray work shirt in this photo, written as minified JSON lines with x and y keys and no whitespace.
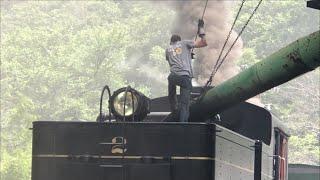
{"x":179,"y":57}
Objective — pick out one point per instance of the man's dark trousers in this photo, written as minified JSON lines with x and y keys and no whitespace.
{"x":185,"y":89}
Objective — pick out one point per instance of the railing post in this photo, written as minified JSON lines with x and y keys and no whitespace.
{"x":257,"y":159}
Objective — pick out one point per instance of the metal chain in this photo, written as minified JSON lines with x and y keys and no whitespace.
{"x":225,"y":43}
{"x":204,"y":11}
{"x":234,"y":42}
{"x":239,"y":35}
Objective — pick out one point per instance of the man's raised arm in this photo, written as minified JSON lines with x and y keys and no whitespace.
{"x":202,"y":42}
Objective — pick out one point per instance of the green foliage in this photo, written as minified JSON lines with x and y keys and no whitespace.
{"x":57,"y":55}
{"x":276,"y":24}
{"x":248,"y":58}
{"x":300,"y":146}
{"x":296,"y":103}
{"x":16,"y":165}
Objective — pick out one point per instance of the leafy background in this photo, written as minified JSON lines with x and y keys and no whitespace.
{"x":57,"y":55}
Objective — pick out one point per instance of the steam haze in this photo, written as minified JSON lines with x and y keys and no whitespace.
{"x":217,"y":25}
{"x":218,"y":21}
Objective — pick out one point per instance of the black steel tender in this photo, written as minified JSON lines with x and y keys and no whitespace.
{"x":225,"y":147}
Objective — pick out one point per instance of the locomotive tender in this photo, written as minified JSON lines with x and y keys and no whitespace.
{"x":226,"y":138}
